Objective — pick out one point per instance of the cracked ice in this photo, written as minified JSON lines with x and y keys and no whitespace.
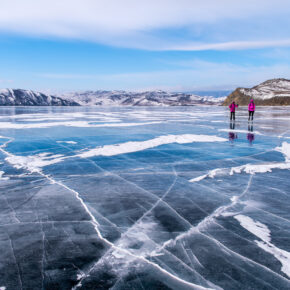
{"x":144,"y":198}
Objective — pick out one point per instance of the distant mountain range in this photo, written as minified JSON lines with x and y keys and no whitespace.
{"x":272,"y":92}
{"x":275,"y":92}
{"x":149,"y":98}
{"x":18,"y":97}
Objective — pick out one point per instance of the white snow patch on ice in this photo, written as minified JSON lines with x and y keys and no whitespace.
{"x":285,"y":149}
{"x":199,"y":178}
{"x":256,"y":228}
{"x":259,"y":168}
{"x":33,"y":163}
{"x":262,"y":232}
{"x":281,"y":255}
{"x":247,"y":168}
{"x":215,"y":172}
{"x":251,"y":168}
{"x":67,"y":142}
{"x":212,"y":173}
{"x":3,"y":178}
{"x":135,"y":146}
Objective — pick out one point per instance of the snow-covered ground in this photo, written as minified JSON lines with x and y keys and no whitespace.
{"x":144,"y":198}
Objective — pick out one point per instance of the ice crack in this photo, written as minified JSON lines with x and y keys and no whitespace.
{"x":207,"y":220}
{"x":96,"y":224}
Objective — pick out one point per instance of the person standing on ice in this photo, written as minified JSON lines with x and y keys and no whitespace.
{"x":233,"y":107}
{"x":251,"y":109}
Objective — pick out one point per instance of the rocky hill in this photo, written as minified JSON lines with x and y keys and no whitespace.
{"x":275,"y":92}
{"x":17,"y":97}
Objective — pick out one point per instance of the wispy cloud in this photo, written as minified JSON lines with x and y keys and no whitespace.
{"x":197,"y":75}
{"x":234,"y":45}
{"x":3,"y":81}
{"x":210,"y":24}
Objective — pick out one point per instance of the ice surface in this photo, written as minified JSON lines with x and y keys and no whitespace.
{"x":81,"y":124}
{"x":261,"y":231}
{"x":144,"y":198}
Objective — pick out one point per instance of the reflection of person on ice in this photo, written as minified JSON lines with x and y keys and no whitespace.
{"x":250,"y":135}
{"x":251,"y":109}
{"x":233,"y":107}
{"x":232,"y":135}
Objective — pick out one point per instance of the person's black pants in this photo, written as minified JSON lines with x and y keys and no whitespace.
{"x":233,"y":117}
{"x":251,"y":115}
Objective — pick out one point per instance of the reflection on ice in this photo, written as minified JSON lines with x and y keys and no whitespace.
{"x":144,"y":198}
{"x":250,"y":135}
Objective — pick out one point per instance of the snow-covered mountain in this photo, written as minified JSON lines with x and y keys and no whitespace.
{"x":149,"y":98}
{"x":18,"y":97}
{"x":269,"y":89}
{"x":272,"y":92}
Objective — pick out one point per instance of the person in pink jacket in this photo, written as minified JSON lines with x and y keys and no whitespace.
{"x":233,"y":107}
{"x":251,"y":109}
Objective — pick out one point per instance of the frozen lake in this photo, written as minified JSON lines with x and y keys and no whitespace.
{"x":144,"y":198}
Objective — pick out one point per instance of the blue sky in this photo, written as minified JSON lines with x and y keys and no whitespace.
{"x":173,"y":45}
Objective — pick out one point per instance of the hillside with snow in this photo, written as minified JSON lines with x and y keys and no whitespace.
{"x":149,"y":98}
{"x":18,"y":97}
{"x":273,"y":92}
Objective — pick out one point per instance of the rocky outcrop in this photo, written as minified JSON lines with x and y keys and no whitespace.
{"x":17,"y":97}
{"x":275,"y":92}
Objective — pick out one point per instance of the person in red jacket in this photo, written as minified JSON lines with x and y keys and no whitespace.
{"x":251,"y":109}
{"x":233,"y":107}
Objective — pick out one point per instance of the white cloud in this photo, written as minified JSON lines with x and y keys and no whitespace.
{"x":139,"y":24}
{"x":234,"y":45}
